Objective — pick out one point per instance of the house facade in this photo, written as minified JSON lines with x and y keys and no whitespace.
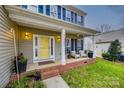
{"x":41,"y":32}
{"x":103,"y":40}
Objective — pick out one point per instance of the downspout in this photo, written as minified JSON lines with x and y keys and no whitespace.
{"x":15,"y":50}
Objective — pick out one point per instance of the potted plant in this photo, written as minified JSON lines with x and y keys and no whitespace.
{"x":90,"y":54}
{"x":22,"y":63}
{"x":37,"y":75}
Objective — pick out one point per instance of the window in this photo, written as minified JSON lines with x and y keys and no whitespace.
{"x":48,"y":10}
{"x":74,"y":46}
{"x":68,"y":15}
{"x":72,"y":17}
{"x":79,"y":44}
{"x":40,"y":8}
{"x":75,"y":18}
{"x":54,"y":11}
{"x":36,"y":41}
{"x":36,"y":52}
{"x":64,"y":13}
{"x":33,"y":8}
{"x":79,"y":20}
{"x":82,"y":20}
{"x":59,"y":12}
{"x":68,"y":45}
{"x":24,"y":6}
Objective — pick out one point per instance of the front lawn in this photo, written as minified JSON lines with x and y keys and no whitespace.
{"x":100,"y":74}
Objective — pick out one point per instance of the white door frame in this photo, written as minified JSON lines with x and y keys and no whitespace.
{"x":38,"y":59}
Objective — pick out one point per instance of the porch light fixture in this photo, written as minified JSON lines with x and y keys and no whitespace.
{"x":27,"y":36}
{"x":58,"y":38}
{"x":78,"y":35}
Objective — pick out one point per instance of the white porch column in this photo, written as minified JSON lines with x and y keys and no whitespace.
{"x":94,"y":47}
{"x":63,"y":57}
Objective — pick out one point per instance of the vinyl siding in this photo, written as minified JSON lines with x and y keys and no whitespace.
{"x":6,"y":48}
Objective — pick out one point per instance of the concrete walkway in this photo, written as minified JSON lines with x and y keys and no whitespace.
{"x":55,"y":82}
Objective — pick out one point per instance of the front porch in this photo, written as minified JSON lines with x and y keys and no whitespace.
{"x":54,"y":69}
{"x":35,"y":66}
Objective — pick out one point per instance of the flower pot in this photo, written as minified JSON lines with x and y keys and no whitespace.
{"x":90,"y":54}
{"x":37,"y":76}
{"x":21,"y":67}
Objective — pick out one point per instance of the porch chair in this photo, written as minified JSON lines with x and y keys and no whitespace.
{"x":74,"y":55}
{"x":82,"y":54}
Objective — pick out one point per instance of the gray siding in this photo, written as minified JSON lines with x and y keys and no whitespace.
{"x":6,"y":48}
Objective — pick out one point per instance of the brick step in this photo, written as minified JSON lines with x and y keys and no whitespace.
{"x":50,"y":73}
{"x":49,"y":68}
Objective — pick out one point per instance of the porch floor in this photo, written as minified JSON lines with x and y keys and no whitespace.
{"x":34,"y":66}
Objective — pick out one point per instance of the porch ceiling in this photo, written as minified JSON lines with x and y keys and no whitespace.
{"x":28,"y":18}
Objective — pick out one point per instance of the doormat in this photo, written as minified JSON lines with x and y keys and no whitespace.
{"x":45,"y":62}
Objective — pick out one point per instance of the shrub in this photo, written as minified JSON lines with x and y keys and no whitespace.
{"x":114,"y":50}
{"x":105,"y":55}
{"x":26,"y":82}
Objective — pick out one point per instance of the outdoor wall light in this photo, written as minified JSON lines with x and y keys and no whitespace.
{"x":78,"y":35}
{"x":58,"y":38}
{"x":27,"y":36}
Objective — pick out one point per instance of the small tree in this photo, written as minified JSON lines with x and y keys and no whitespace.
{"x":114,"y":50}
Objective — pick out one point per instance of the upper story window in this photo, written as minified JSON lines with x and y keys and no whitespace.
{"x":79,"y":20}
{"x":75,"y":18}
{"x":63,"y":13}
{"x":40,"y":8}
{"x":68,"y":15}
{"x":33,"y":8}
{"x":24,"y":6}
{"x":54,"y":11}
{"x":72,"y":17}
{"x":48,"y":10}
{"x":59,"y":12}
{"x":82,"y":20}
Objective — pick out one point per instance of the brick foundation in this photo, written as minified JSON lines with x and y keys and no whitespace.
{"x":55,"y":70}
{"x":60,"y":69}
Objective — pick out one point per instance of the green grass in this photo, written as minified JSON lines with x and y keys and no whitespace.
{"x":97,"y":75}
{"x":26,"y":82}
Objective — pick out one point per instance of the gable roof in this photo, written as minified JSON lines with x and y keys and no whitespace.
{"x":109,"y":36}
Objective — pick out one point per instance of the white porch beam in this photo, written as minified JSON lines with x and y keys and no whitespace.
{"x":94,"y":46}
{"x":63,"y":57}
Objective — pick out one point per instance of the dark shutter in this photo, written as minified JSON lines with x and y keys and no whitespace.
{"x":76,"y":45}
{"x":64,"y":13}
{"x":48,"y":10}
{"x":75,"y":18}
{"x":24,"y":6}
{"x":72,"y":44}
{"x":59,"y":12}
{"x":40,"y":8}
{"x":82,"y":46}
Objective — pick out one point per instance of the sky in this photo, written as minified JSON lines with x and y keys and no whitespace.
{"x":98,"y":15}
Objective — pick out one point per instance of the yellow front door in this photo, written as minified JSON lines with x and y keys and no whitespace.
{"x":44,"y":48}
